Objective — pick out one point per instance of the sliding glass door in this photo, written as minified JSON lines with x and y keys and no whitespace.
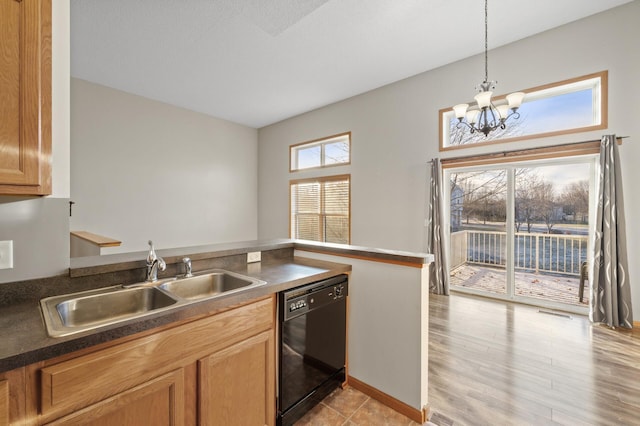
{"x":478,"y":230}
{"x":520,"y":231}
{"x":552,"y":232}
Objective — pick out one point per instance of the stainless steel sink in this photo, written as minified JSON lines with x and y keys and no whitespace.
{"x":73,"y":313}
{"x":209,"y":285}
{"x":77,"y":312}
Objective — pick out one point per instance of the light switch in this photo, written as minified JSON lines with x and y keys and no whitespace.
{"x":6,"y":254}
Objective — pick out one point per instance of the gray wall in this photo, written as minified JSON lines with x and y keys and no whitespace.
{"x":142,"y":169}
{"x":39,"y":229}
{"x":395,"y":129}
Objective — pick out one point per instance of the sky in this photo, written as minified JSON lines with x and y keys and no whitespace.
{"x":571,"y":110}
{"x":563,"y":175}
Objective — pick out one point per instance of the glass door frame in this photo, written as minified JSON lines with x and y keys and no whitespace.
{"x":510,"y":167}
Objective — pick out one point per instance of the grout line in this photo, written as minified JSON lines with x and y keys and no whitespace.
{"x":359,"y":407}
{"x":335,"y":411}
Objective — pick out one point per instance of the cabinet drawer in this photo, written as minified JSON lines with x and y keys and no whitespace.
{"x":82,"y":381}
{"x":157,"y":402}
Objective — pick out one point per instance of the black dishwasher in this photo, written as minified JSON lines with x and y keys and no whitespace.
{"x":312,"y":347}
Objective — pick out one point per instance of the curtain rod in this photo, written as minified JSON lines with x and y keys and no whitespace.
{"x":522,"y":151}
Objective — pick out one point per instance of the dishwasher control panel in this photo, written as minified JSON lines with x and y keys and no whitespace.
{"x":303,"y":299}
{"x":299,"y":304}
{"x":322,"y":295}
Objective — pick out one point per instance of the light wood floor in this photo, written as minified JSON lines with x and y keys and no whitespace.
{"x":499,"y":363}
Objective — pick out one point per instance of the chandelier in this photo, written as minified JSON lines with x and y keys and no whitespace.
{"x":486,"y":117}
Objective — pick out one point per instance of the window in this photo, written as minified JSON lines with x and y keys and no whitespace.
{"x":325,"y":152}
{"x":320,"y":209}
{"x":569,"y":106}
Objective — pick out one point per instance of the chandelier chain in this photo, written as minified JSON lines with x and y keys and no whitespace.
{"x":486,"y":41}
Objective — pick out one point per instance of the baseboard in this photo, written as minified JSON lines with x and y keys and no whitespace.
{"x":419,"y":416}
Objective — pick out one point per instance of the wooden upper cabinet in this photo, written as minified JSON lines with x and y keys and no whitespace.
{"x":25,"y":93}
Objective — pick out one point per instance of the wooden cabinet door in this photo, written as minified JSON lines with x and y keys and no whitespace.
{"x":25,"y":90}
{"x":157,"y":402}
{"x":237,"y":384}
{"x":4,"y":402}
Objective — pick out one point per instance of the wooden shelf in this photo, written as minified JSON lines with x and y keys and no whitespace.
{"x":96,"y":239}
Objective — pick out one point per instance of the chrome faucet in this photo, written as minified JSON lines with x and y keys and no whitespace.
{"x":187,"y":267}
{"x":154,"y":262}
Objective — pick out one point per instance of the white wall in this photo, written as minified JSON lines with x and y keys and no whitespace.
{"x":142,"y":169}
{"x":395,"y":130}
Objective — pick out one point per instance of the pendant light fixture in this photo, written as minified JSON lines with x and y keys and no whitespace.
{"x":484,"y":116}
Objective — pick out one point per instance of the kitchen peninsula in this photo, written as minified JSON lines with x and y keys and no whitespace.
{"x":388,"y":313}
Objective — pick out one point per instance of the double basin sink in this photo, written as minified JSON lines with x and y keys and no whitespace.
{"x":88,"y":310}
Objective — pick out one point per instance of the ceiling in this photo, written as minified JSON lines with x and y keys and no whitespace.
{"x":256,"y":62}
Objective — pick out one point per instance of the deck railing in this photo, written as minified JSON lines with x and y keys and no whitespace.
{"x":533,"y":252}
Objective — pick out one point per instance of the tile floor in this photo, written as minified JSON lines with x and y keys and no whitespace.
{"x":350,"y":407}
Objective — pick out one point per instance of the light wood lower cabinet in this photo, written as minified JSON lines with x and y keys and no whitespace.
{"x":236,"y":384}
{"x":13,"y":397}
{"x":216,"y":370}
{"x":4,"y":402}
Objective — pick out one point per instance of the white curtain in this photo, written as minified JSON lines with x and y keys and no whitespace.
{"x":610,"y":292}
{"x":439,"y":278}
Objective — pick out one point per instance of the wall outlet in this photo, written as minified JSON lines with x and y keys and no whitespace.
{"x":254,"y":256}
{"x":6,"y":254}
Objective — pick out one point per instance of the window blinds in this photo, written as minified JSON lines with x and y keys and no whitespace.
{"x":320,"y":209}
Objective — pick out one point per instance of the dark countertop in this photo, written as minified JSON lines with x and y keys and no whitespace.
{"x":23,"y":336}
{"x":24,"y":339}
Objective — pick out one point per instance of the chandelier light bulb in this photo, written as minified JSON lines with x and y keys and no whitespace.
{"x":503,"y":111}
{"x":460,"y":110}
{"x":515,"y":99}
{"x":472,"y":116}
{"x":483,"y":99}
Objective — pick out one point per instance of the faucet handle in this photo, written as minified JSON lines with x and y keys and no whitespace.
{"x":187,"y":267}
{"x":162,"y":265}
